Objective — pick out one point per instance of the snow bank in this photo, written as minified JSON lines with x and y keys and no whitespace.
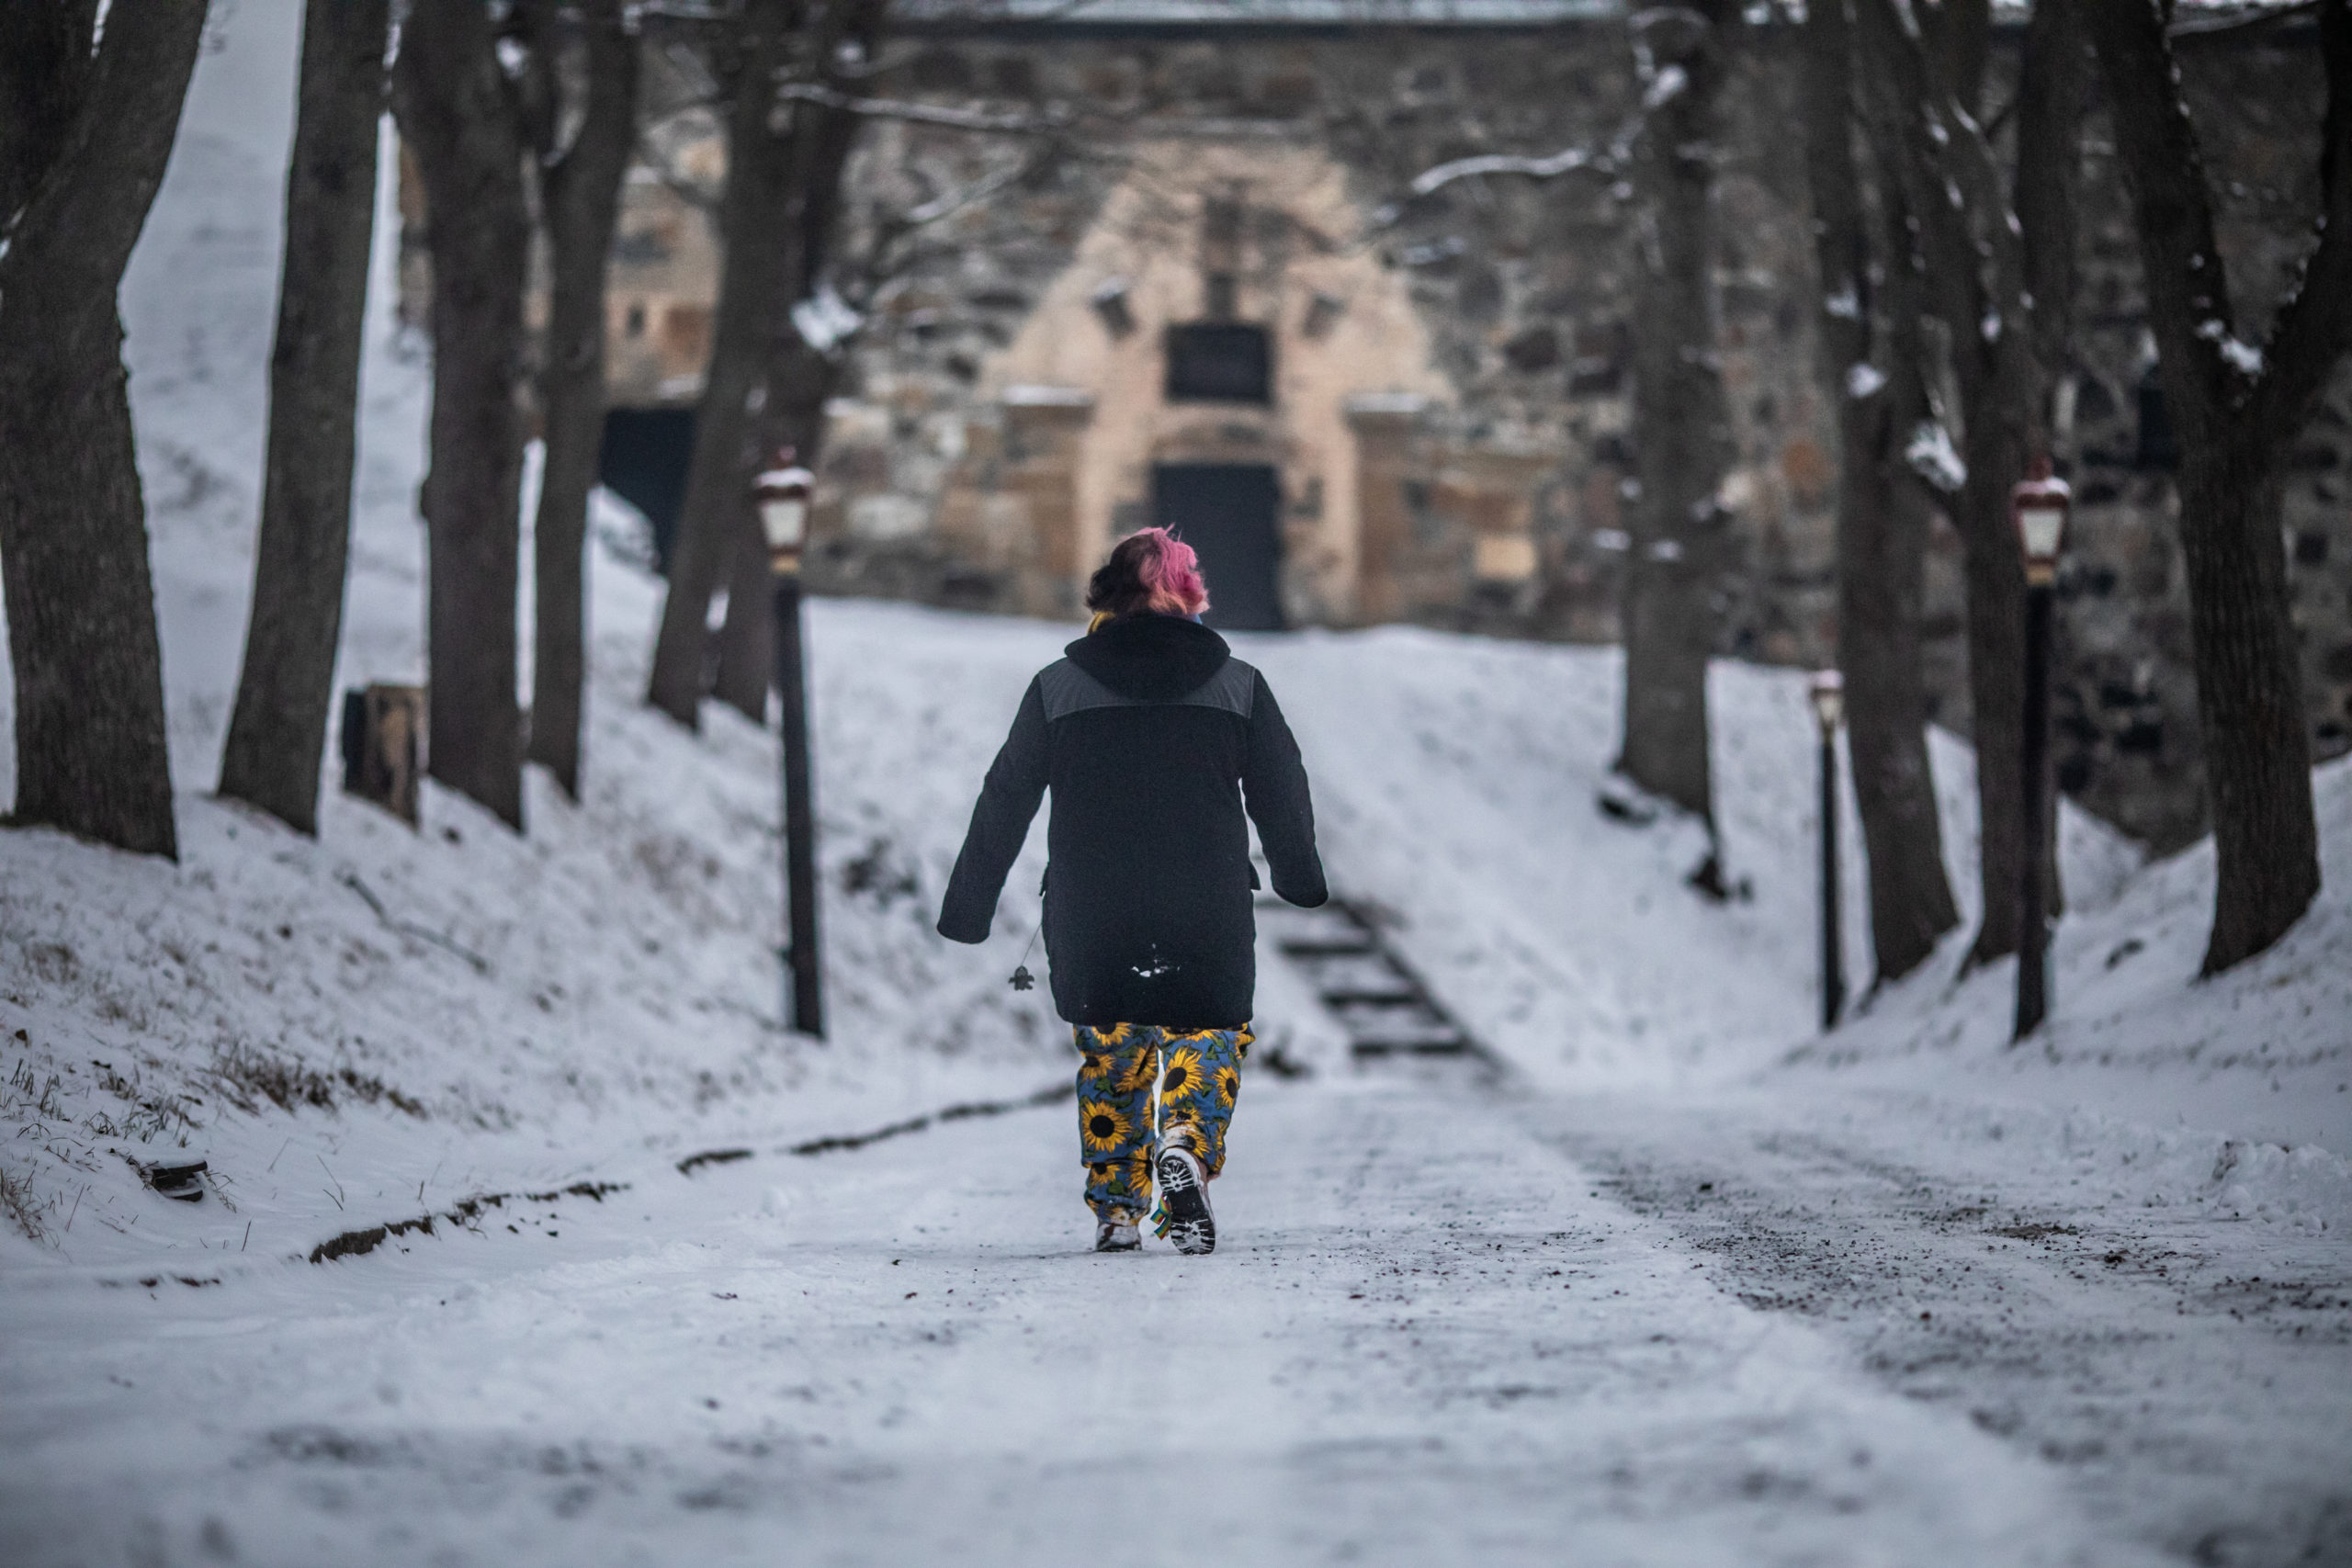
{"x":2232,"y":1095}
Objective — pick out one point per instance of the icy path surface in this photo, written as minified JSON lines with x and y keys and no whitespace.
{"x":1450,"y":1324}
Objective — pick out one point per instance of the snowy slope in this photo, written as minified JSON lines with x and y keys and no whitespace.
{"x":1460,"y":779}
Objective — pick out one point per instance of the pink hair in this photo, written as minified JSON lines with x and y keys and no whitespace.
{"x":1172,"y":571}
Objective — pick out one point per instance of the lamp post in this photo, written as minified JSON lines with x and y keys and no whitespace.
{"x":782,"y":496}
{"x":2038,"y":505}
{"x":1827,"y":691}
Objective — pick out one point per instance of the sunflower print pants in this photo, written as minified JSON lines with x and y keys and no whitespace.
{"x":1141,"y":1089}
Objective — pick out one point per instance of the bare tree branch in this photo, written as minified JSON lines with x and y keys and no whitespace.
{"x":924,"y":114}
{"x":2245,"y":21}
{"x":890,"y":251}
{"x":947,"y":205}
{"x":1571,"y":160}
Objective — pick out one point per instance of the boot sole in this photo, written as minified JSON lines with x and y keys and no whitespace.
{"x":1191,"y":1229}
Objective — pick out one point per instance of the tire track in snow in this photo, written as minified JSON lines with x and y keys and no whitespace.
{"x":2143,"y":1357}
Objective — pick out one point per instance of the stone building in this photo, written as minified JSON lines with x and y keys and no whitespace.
{"x":1196,"y":288}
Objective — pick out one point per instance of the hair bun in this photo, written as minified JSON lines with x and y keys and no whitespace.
{"x":1149,"y":570}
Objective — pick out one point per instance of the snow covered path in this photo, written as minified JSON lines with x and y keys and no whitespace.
{"x":1435,"y":1334}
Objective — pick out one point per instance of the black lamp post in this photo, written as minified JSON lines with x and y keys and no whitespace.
{"x":782,"y":495}
{"x":2038,"y":505}
{"x":1827,"y":690}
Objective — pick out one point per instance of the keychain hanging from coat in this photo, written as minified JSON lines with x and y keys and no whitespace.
{"x":1021,"y":980}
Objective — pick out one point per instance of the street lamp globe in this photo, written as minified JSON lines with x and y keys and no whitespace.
{"x":781,"y":494}
{"x":1827,"y":691}
{"x":2039,"y":506}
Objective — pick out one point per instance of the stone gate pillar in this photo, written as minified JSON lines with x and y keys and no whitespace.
{"x":1387,"y":426}
{"x":1043,"y":430}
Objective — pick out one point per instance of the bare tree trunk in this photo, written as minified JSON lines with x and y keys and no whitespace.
{"x":580,"y":199}
{"x":278,"y":727}
{"x":2236,"y":410}
{"x":2053,"y":94}
{"x":747,"y":637}
{"x":1962,"y":48}
{"x":1681,"y":425}
{"x":1994,"y":448}
{"x":754,"y":295}
{"x":800,"y":376}
{"x":1920,"y":822}
{"x":1880,"y":529}
{"x":2053,"y":91}
{"x":2249,"y":696}
{"x":795,"y":417}
{"x":1940,"y":161}
{"x":454,"y":111}
{"x":88,"y":135}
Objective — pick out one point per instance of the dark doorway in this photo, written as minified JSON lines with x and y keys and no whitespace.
{"x":2159,"y":449}
{"x":1230,"y":513}
{"x":643,"y":460}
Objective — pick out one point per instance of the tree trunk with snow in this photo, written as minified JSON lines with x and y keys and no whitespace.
{"x":786,"y":202}
{"x":1680,"y":422}
{"x":1936,"y":154}
{"x":753,"y":298}
{"x":284,"y":691}
{"x":84,"y":135}
{"x":579,"y":203}
{"x":1881,"y":529}
{"x":457,"y":116}
{"x":800,"y":374}
{"x":2236,"y":408}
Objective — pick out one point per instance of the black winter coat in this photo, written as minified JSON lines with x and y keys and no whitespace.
{"x":1151,"y":733}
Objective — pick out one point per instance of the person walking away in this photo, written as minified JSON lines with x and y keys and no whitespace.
{"x":1154,"y":740}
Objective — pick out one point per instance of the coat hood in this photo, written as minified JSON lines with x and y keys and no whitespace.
{"x":1151,"y":658}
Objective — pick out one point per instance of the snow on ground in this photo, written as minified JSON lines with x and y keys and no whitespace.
{"x":1428,"y":1342}
{"x":1682,"y":1281}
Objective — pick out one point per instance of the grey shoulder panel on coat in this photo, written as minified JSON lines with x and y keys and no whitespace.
{"x":1067,"y":690}
{"x":1234,"y":688}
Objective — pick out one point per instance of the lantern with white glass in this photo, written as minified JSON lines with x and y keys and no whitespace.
{"x":781,"y":493}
